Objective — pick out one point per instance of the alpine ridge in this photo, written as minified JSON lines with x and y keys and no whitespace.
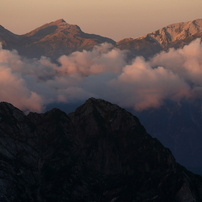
{"x":98,"y":153}
{"x":60,"y":38}
{"x":175,"y":35}
{"x":177,"y":32}
{"x":52,"y":40}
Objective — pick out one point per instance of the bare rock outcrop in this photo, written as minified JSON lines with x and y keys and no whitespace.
{"x":175,"y":35}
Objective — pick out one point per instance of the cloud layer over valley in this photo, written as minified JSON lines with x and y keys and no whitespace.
{"x":32,"y":84}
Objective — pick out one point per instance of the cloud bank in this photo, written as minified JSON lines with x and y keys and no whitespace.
{"x":32,"y":84}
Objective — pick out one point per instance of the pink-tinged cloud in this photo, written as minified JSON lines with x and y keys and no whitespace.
{"x":31,"y":84}
{"x":186,"y":62}
{"x":144,"y":86}
{"x":101,"y":59}
{"x":13,"y":89}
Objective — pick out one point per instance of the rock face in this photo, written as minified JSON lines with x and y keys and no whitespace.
{"x":100,"y":152}
{"x":52,"y":40}
{"x":175,"y":35}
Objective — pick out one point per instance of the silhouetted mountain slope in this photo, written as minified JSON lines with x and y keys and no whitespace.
{"x":178,"y":126}
{"x":8,"y":39}
{"x":100,"y":152}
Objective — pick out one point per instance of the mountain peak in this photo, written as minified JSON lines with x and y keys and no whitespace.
{"x":177,"y":31}
{"x":57,"y":26}
{"x":60,"y":21}
{"x":175,"y":35}
{"x":105,"y":113}
{"x":99,"y":105}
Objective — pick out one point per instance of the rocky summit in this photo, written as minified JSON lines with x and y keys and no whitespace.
{"x":52,"y":40}
{"x":175,"y":35}
{"x":98,"y":153}
{"x":60,"y":38}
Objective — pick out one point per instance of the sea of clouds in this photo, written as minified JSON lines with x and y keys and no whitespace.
{"x":32,"y":84}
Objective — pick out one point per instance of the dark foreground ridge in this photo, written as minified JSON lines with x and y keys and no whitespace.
{"x":99,"y":153}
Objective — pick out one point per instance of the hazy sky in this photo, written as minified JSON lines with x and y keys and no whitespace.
{"x":116,"y":19}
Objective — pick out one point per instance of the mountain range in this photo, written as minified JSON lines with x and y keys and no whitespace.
{"x":177,"y":125}
{"x":60,"y":38}
{"x":100,"y":152}
{"x":175,"y":35}
{"x":52,"y":40}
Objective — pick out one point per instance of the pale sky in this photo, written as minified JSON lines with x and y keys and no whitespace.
{"x":116,"y":19}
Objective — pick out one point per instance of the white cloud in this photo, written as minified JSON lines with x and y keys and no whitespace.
{"x":13,"y":89}
{"x":144,"y":86}
{"x":102,"y":73}
{"x":186,"y":62}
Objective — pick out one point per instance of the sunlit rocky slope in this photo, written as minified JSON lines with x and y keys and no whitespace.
{"x":52,"y":40}
{"x":175,"y":35}
{"x":58,"y":38}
